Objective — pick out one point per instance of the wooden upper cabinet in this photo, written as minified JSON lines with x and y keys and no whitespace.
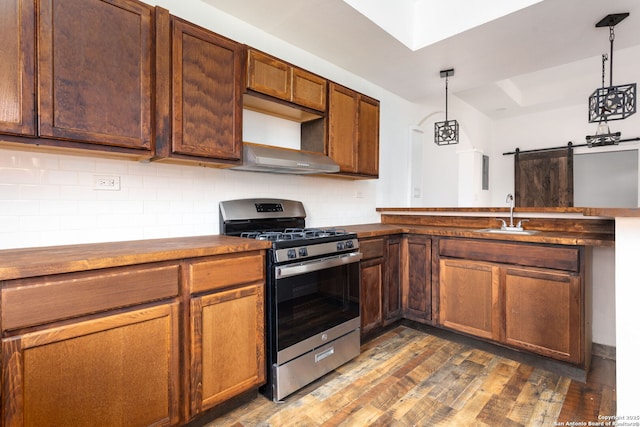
{"x":206,"y":95}
{"x":354,"y":121}
{"x":368,"y":135}
{"x":308,"y":89}
{"x":95,"y":71}
{"x":271,"y":76}
{"x":17,"y":67}
{"x":343,"y":110}
{"x":268,"y":75}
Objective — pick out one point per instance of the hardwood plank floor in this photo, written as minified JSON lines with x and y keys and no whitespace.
{"x":407,"y":377}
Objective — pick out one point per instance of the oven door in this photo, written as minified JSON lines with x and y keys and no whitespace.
{"x":317,"y":301}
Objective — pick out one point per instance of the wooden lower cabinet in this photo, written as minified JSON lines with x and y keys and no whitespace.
{"x":120,"y":369}
{"x":371,"y":278}
{"x":543,"y":312}
{"x":371,"y":284}
{"x":392,"y":283}
{"x":381,"y":282}
{"x":417,"y":292}
{"x":538,"y":309}
{"x":227,"y":346}
{"x":470,"y":298}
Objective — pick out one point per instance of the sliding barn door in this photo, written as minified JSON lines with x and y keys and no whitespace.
{"x":544,"y":179}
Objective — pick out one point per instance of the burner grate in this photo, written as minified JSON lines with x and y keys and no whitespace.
{"x":290,"y":234}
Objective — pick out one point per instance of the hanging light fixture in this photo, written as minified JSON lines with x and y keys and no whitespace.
{"x":446,"y":132}
{"x":612,"y":102}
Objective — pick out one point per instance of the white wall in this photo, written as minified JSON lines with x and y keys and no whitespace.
{"x":552,"y":128}
{"x":447,"y":180}
{"x":627,"y":333}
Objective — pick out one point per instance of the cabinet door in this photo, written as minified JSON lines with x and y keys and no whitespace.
{"x":470,"y":298}
{"x":95,"y":72}
{"x":417,"y":295}
{"x":343,"y":110}
{"x":392,"y":292}
{"x":368,"y":135}
{"x":17,"y":97}
{"x":268,"y":75}
{"x":308,"y":90}
{"x":371,"y":277}
{"x":227,"y":354}
{"x":543,"y":313}
{"x":116,"y":370}
{"x":206,"y":93}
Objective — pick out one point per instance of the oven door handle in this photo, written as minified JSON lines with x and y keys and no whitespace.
{"x":315,"y":265}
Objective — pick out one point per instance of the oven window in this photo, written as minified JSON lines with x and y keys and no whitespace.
{"x":313,"y":302}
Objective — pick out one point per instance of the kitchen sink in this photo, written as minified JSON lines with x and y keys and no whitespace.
{"x":501,"y":231}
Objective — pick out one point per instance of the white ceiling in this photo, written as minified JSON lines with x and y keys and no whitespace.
{"x":543,"y":56}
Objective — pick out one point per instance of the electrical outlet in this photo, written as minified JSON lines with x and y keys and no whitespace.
{"x":359,"y":194}
{"x":106,"y":182}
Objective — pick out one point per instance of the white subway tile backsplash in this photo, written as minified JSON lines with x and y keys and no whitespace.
{"x":79,"y":164}
{"x":40,"y":222}
{"x":39,"y":192}
{"x":48,"y":199}
{"x":20,"y":175}
{"x":9,"y":192}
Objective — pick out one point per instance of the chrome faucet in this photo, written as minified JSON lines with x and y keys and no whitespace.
{"x":511,"y":227}
{"x":510,"y":201}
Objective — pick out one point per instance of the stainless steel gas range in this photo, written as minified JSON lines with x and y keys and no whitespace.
{"x":313,"y":290}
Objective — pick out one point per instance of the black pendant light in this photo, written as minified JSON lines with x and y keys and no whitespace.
{"x":447,"y":132}
{"x":612,"y":102}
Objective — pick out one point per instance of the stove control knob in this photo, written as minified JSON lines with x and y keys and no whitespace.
{"x":303,"y":252}
{"x":349,"y":244}
{"x":340,"y":246}
{"x":291,"y":253}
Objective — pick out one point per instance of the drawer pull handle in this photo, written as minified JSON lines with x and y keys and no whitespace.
{"x":324,"y":354}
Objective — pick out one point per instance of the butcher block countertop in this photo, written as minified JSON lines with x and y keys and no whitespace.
{"x":557,"y":238}
{"x":585,"y":211}
{"x":560,"y":226}
{"x":32,"y":262}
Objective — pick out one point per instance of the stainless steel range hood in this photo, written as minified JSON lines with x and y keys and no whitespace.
{"x":265,"y":158}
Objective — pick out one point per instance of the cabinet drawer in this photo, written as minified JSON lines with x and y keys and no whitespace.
{"x":34,"y":301}
{"x":224,"y":271}
{"x":372,"y":248}
{"x":565,"y":258}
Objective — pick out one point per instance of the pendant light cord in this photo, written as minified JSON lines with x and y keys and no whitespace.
{"x":446,"y":99}
{"x":604,"y":60}
{"x":612,"y":36}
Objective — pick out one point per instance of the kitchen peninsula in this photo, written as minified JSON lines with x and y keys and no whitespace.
{"x":530,"y":292}
{"x":623,"y":273}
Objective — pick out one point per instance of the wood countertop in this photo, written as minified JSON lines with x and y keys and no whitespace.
{"x":31,"y":262}
{"x":585,"y":211}
{"x":546,"y":237}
